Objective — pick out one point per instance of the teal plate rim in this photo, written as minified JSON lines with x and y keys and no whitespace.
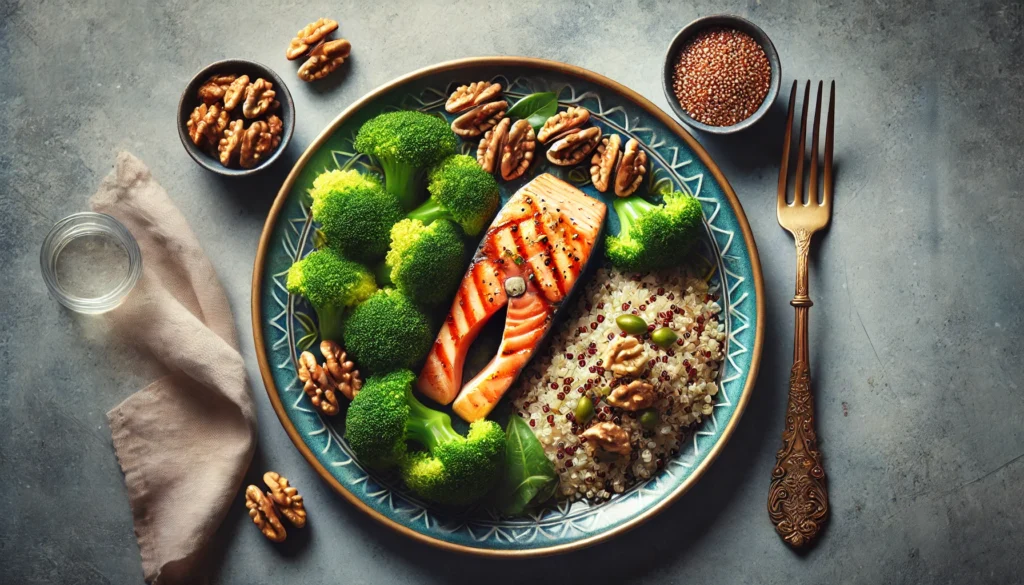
{"x":566,"y":526}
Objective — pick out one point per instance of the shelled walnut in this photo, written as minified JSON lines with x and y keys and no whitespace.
{"x":263,"y":514}
{"x":318,"y":385}
{"x":206,"y":124}
{"x":517,"y":150}
{"x":489,"y":151}
{"x":213,"y":89}
{"x":286,"y":498}
{"x":259,"y":99}
{"x":325,"y":58}
{"x":471,"y":96}
{"x":230,"y":143}
{"x":609,"y":438}
{"x":561,"y":123}
{"x":235,"y":93}
{"x":602,"y":165}
{"x":637,"y":395}
{"x":630,"y":173}
{"x":257,"y":142}
{"x":342,"y":371}
{"x":574,"y":147}
{"x":310,"y":35}
{"x":626,"y":357}
{"x":480,"y":119}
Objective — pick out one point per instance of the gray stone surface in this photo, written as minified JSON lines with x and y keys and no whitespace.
{"x":916,"y":329}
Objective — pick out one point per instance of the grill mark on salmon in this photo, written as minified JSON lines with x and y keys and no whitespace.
{"x":544,"y":234}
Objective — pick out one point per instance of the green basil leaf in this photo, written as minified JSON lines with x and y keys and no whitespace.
{"x":530,"y":477}
{"x":535,"y":108}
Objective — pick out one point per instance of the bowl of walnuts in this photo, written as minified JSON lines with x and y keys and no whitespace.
{"x":235,"y":117}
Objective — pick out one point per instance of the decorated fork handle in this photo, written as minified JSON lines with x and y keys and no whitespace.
{"x":798,"y":497}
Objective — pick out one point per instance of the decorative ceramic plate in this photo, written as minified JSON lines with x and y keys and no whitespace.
{"x":284,"y":325}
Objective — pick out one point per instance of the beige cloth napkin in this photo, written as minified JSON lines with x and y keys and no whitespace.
{"x":185,"y":441}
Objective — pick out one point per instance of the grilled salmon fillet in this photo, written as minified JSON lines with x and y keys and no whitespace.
{"x":544,"y":236}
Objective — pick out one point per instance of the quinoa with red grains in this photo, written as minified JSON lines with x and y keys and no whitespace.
{"x":721,"y":77}
{"x":684,"y":376}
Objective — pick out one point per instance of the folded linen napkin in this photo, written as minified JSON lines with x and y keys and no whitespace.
{"x":185,"y":441}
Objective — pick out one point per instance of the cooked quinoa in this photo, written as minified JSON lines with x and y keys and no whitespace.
{"x":684,"y":376}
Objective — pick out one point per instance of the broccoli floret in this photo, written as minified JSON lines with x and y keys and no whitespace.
{"x":332,"y":284}
{"x":653,"y":236}
{"x":462,"y":191}
{"x":355,"y":214}
{"x":426,"y":261}
{"x":452,"y":470}
{"x":406,"y":143}
{"x":387,"y":332}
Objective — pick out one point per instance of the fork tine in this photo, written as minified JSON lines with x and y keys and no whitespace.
{"x":784,"y":168}
{"x":812,"y":181}
{"x":798,"y":181}
{"x":829,"y":129}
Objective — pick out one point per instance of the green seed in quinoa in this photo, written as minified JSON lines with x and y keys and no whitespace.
{"x":649,"y":419}
{"x":584,"y":409}
{"x":631,"y":324}
{"x":664,"y":337}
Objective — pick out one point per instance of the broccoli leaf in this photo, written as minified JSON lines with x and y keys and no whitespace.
{"x":535,"y":108}
{"x":530,"y":477}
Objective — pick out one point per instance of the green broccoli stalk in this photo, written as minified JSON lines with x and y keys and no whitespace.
{"x":332,"y":285}
{"x":387,"y":332}
{"x":462,"y":191}
{"x":355,"y":214}
{"x":406,"y":143}
{"x":453,"y":469}
{"x":651,"y":236}
{"x":426,"y":261}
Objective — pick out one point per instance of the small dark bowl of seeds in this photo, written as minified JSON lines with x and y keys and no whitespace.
{"x":722,"y":74}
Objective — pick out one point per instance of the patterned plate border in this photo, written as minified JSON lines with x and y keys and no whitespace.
{"x":566,"y":526}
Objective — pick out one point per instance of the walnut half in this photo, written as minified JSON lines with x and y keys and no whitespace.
{"x":342,"y":371}
{"x":574,"y":147}
{"x":602,"y":166}
{"x":489,"y":150}
{"x":608,"y":437}
{"x":259,"y":99}
{"x":480,"y":119}
{"x":471,"y":96}
{"x":626,"y":357}
{"x":324,"y":59}
{"x":310,"y":35}
{"x":317,"y":384}
{"x":286,"y":497}
{"x":637,"y":395}
{"x":261,"y":510}
{"x":230,"y":143}
{"x":562,"y":122}
{"x":632,"y":167}
{"x":517,"y":151}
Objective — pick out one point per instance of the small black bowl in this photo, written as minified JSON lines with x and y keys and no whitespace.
{"x":721,"y":21}
{"x":189,"y":101}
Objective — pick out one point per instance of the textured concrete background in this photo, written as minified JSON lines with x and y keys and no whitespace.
{"x":916,"y":328}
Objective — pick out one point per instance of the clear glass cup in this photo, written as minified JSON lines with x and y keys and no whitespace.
{"x":90,"y":262}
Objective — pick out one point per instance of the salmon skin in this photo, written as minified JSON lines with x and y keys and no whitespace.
{"x":530,"y":259}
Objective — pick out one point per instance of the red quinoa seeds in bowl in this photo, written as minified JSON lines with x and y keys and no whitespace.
{"x":720,"y":78}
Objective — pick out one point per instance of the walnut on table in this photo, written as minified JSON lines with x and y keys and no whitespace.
{"x":309,"y":36}
{"x":286,"y":498}
{"x":325,"y":58}
{"x":264,"y":516}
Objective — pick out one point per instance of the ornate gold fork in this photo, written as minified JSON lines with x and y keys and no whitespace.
{"x":798,"y":498}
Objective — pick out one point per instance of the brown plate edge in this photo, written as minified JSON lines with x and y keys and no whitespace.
{"x":282,"y":195}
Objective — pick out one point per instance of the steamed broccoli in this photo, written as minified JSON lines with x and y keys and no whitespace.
{"x":355,"y":214}
{"x":653,"y":236}
{"x":453,"y":470}
{"x":406,"y":143}
{"x":426,"y":261}
{"x":332,"y":284}
{"x":462,"y":191}
{"x":387,"y":332}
